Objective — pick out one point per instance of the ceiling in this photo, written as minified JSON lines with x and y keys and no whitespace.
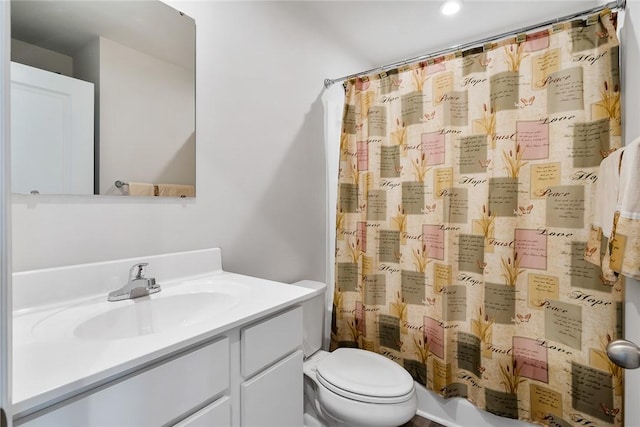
{"x":377,"y":32}
{"x":66,"y":26}
{"x":382,"y":32}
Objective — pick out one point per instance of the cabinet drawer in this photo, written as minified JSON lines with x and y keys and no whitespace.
{"x":274,"y":398}
{"x":270,"y":340}
{"x":153,"y":397}
{"x":217,"y":414}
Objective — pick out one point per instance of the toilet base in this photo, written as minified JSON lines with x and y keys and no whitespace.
{"x":311,"y":417}
{"x":311,"y":420}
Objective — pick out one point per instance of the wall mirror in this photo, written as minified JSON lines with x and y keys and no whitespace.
{"x":102,"y":98}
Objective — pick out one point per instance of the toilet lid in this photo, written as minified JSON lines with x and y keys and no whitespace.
{"x":365,"y":376}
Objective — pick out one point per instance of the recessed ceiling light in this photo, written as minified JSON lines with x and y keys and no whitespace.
{"x":450,"y":7}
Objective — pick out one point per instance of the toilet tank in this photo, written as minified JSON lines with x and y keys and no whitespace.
{"x":313,"y":311}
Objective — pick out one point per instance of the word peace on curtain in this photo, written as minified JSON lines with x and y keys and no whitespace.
{"x":465,"y":192}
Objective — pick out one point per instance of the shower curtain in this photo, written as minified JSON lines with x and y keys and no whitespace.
{"x":464,"y":203}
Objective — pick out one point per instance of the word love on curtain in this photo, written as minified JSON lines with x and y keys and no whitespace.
{"x":465,"y":191}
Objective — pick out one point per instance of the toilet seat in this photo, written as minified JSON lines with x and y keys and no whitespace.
{"x":365,"y":376}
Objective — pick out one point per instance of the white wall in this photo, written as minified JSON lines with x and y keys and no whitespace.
{"x":38,"y":57}
{"x":146,"y":119}
{"x":260,"y":155}
{"x":6,"y":316}
{"x":260,"y":159}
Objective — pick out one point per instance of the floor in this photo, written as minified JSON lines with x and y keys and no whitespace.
{"x":421,"y":422}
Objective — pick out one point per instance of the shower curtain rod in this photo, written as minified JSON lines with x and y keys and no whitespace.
{"x":617,"y":4}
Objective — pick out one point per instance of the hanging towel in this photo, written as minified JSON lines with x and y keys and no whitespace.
{"x":607,"y":188}
{"x":625,"y":236}
{"x":141,"y":189}
{"x":629,"y":196}
{"x":176,"y":190}
{"x":597,"y":250}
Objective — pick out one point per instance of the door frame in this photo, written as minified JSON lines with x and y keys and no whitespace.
{"x":5,"y":216}
{"x":630,"y":60}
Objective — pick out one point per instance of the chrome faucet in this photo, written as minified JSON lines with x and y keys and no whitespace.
{"x":137,"y":286}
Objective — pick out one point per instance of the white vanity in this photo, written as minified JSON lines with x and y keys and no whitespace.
{"x":211,"y":349}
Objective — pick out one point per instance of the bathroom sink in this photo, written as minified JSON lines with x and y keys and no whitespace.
{"x":174,"y":308}
{"x":148,"y":316}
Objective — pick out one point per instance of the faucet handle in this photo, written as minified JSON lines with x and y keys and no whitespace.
{"x":136,"y":272}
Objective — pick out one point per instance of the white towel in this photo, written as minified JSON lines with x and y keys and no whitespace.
{"x":628,"y":193}
{"x":176,"y":190}
{"x":604,"y":208}
{"x":141,"y":189}
{"x":625,"y":236}
{"x":607,"y":187}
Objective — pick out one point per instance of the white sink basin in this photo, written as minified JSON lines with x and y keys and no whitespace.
{"x":179,"y":306}
{"x":149,"y":316}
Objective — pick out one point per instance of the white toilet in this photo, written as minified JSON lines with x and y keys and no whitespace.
{"x":350,"y":387}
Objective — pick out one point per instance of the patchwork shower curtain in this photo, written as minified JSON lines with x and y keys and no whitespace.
{"x":464,"y":203}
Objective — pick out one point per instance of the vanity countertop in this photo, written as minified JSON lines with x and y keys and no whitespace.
{"x":51,"y":363}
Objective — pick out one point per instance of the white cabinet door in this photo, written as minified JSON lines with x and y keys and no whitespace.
{"x":154,"y":397}
{"x":632,"y":333}
{"x":217,"y":414}
{"x":269,"y":340}
{"x":273,"y":398}
{"x":51,"y":132}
